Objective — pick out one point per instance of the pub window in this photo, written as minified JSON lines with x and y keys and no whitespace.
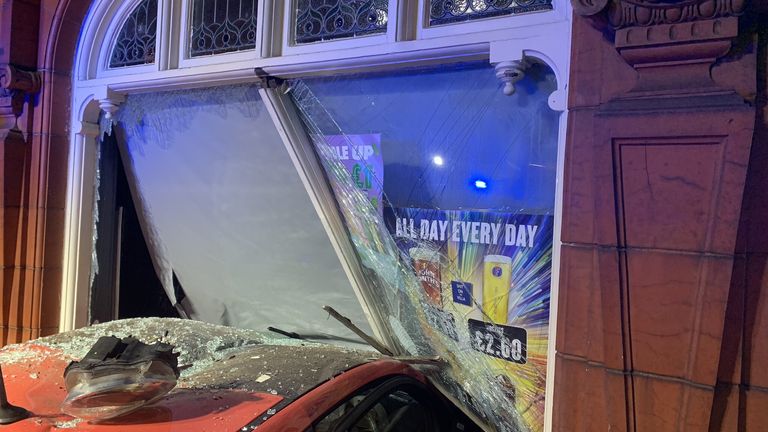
{"x":452,"y":11}
{"x":320,"y":20}
{"x":135,"y":44}
{"x":221,"y":26}
{"x":447,"y":188}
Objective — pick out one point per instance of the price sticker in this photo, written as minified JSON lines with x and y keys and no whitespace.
{"x":500,"y":341}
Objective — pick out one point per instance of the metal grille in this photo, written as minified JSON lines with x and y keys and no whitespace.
{"x":318,"y":20}
{"x":450,"y":11}
{"x":220,"y":26}
{"x":135,"y":43}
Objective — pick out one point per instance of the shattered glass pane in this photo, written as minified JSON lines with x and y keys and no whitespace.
{"x":447,"y":187}
{"x":226,"y":217}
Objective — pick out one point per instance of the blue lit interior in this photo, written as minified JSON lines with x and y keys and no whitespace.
{"x":460,"y":114}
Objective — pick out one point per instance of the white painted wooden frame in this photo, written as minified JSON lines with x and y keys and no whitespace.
{"x":542,"y":37}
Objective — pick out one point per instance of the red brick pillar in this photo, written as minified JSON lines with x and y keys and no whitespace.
{"x":660,"y":129}
{"x":20,"y":287}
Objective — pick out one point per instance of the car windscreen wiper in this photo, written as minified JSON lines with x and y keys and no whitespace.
{"x":315,"y":336}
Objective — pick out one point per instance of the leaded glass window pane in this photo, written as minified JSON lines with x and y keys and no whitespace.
{"x":220,"y":26}
{"x":450,"y":11}
{"x":318,"y":20}
{"x":135,"y":43}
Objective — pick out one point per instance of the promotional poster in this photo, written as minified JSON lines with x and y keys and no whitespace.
{"x":485,"y":278}
{"x":361,"y":156}
{"x":470,"y":286}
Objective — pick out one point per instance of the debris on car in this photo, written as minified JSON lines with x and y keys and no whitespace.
{"x":118,"y":376}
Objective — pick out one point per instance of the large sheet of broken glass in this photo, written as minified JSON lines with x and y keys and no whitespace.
{"x":226,"y":215}
{"x":447,"y":188}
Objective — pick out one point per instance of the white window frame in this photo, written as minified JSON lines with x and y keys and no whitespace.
{"x":499,"y":40}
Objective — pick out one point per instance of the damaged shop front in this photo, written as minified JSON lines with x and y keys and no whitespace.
{"x":408,"y":179}
{"x":234,"y":239}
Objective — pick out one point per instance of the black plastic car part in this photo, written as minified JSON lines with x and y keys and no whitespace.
{"x":9,"y":413}
{"x":118,"y":376}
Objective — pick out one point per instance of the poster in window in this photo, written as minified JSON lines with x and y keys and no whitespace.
{"x":485,"y":278}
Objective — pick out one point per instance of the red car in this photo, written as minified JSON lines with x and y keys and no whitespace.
{"x":236,"y":380}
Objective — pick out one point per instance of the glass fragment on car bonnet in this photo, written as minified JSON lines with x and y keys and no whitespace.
{"x":118,"y":376}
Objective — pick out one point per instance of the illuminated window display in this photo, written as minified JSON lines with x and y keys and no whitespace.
{"x":447,"y":187}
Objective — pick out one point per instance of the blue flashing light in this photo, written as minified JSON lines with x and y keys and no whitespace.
{"x":481,"y":184}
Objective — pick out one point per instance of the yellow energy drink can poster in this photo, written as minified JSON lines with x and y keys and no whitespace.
{"x":485,"y":278}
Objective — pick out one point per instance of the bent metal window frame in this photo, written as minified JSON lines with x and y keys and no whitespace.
{"x":409,"y":41}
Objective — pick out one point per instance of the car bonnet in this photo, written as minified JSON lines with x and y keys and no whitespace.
{"x":229,"y":377}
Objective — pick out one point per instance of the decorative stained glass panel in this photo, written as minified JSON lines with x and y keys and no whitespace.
{"x":450,"y":11}
{"x":220,"y":26}
{"x":318,"y":20}
{"x":135,"y":44}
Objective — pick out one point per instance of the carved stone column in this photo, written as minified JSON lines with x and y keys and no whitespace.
{"x":659,"y":137}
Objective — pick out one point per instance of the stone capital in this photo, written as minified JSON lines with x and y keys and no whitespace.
{"x":672,"y":44}
{"x":643,"y":13}
{"x":15,"y":85}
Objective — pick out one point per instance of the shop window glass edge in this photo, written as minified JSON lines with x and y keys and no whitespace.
{"x":447,"y":188}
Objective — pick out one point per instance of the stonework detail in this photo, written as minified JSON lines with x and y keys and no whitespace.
{"x":658,"y":153}
{"x":13,"y":78}
{"x":15,"y":85}
{"x":672,"y":44}
{"x":643,"y":13}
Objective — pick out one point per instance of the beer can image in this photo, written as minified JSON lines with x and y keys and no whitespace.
{"x":426,"y":264}
{"x":497,"y":281}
